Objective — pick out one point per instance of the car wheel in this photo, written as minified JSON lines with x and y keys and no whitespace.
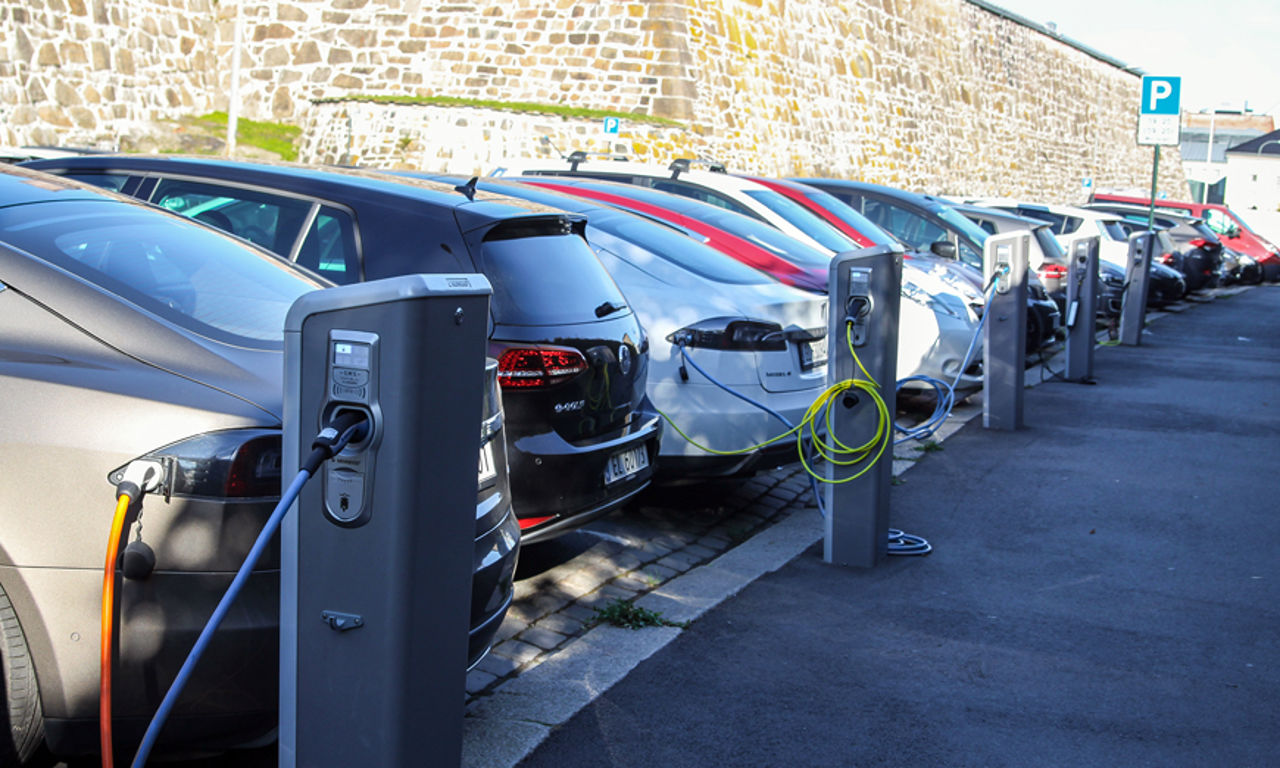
{"x":22,"y":743}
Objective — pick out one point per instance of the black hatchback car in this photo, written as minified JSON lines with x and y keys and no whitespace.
{"x":572,"y":358}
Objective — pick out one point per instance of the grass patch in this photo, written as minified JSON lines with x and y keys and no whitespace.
{"x":515,"y":106}
{"x":622,"y":613}
{"x":933,"y":446}
{"x":276,"y":138}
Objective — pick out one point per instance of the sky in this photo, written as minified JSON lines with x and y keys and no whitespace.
{"x":1225,"y":51}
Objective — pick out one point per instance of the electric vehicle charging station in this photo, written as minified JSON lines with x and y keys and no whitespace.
{"x":1082,"y":306}
{"x":376,"y":555}
{"x":1004,"y":262}
{"x":865,"y":285}
{"x":1133,"y":309}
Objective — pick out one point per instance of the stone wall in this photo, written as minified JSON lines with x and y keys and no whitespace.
{"x":937,"y":95}
{"x":101,"y":72}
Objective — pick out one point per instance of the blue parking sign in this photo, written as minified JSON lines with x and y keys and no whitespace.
{"x":612,"y":125}
{"x":1161,"y":95}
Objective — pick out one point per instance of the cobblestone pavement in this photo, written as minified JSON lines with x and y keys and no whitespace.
{"x":670,"y":531}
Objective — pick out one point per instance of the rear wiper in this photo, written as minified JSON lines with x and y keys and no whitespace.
{"x":608,"y":308}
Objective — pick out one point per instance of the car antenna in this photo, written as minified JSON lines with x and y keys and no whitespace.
{"x":469,"y":189}
{"x":547,"y":142}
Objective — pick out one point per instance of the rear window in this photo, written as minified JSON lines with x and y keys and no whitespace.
{"x":666,"y":243}
{"x":1110,"y":229}
{"x":848,"y":215}
{"x":190,"y":275}
{"x":547,"y":280}
{"x":782,"y":245}
{"x":1049,"y":245}
{"x":803,"y":219}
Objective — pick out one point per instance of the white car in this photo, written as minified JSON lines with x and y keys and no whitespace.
{"x":715,"y":186}
{"x":1068,"y":222}
{"x":764,"y":340}
{"x":929,"y":337}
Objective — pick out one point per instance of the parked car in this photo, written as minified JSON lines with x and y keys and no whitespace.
{"x":572,"y":358}
{"x":1049,"y":258}
{"x":714,"y":187}
{"x":1230,"y":228}
{"x":765,"y":340}
{"x":1166,"y":285}
{"x":935,"y":326}
{"x":1198,"y":250}
{"x":929,"y":224}
{"x":130,"y":333}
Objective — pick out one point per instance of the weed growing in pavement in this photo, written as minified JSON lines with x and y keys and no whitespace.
{"x":898,"y":480}
{"x":933,"y":446}
{"x":907,"y":458}
{"x":622,"y":613}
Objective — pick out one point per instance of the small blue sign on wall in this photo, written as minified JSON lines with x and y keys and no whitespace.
{"x":612,"y":125}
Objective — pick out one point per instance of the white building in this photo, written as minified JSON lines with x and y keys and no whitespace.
{"x":1253,"y":182}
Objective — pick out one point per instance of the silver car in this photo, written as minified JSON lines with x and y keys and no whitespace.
{"x":130,"y":333}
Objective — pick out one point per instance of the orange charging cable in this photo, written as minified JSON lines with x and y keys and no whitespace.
{"x":108,"y":622}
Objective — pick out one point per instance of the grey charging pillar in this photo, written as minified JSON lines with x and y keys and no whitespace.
{"x":1004,"y":342}
{"x":376,"y":554}
{"x":1082,"y":307}
{"x":1133,"y":309}
{"x":865,"y":285}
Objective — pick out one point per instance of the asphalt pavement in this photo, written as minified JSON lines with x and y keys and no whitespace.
{"x":1103,"y":591}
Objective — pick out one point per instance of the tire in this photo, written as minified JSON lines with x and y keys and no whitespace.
{"x":22,"y":742}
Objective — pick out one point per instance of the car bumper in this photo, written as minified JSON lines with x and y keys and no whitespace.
{"x":557,"y":486}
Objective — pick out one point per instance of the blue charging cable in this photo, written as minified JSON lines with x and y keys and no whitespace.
{"x":347,"y":426}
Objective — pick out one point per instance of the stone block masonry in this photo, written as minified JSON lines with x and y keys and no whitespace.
{"x":943,"y":96}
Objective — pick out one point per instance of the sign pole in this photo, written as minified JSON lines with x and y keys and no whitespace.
{"x":1155,"y":174}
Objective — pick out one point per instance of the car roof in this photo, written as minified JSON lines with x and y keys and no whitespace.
{"x":680,"y":168}
{"x":327,"y":182}
{"x":998,"y":214}
{"x":20,"y":185}
{"x":1062,"y":210}
{"x":919,"y":198}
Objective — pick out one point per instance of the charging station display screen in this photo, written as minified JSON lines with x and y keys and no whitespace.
{"x":350,"y":355}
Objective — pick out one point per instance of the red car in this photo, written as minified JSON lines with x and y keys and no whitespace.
{"x":1232,"y":230}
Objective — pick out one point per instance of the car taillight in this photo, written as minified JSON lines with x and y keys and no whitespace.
{"x":724,"y":333}
{"x":1198,"y":242}
{"x":1167,"y":258}
{"x":534,"y":367}
{"x":235,"y":463}
{"x":1053,"y":271}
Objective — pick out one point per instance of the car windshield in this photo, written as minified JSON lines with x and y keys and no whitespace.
{"x":668,"y":244}
{"x":196,"y":277}
{"x":803,"y":219}
{"x":1110,"y":229}
{"x":758,"y":233}
{"x":547,"y":280}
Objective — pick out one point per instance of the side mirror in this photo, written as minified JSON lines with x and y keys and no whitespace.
{"x":943,"y":248}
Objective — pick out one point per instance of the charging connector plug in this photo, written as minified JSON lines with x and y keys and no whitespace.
{"x":140,"y":477}
{"x":345,"y":428}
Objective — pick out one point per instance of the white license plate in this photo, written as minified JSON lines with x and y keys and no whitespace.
{"x":813,"y":353}
{"x":626,"y":463}
{"x":487,"y":470}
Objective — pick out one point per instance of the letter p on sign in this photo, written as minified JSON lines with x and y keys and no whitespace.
{"x":1161,"y":95}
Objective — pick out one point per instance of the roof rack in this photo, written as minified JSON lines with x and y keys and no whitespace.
{"x":682,"y":165}
{"x":578,"y":156}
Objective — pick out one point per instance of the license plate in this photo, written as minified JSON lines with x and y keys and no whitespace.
{"x":813,"y":353}
{"x":487,"y":470}
{"x":626,"y":463}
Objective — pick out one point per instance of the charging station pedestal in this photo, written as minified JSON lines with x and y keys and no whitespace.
{"x":376,"y":554}
{"x":1004,"y":342}
{"x":865,"y":284}
{"x":1082,"y":307}
{"x":1133,"y":310}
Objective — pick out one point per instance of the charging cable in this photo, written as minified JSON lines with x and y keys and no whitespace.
{"x":345,"y":428}
{"x":140,"y":478}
